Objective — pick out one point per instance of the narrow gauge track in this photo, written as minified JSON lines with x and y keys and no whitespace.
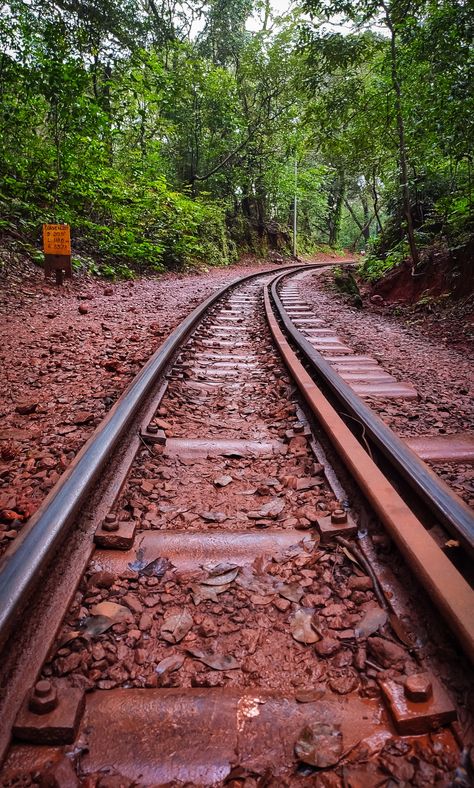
{"x":237,"y":625}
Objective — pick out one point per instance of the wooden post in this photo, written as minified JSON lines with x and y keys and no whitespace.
{"x":57,"y":251}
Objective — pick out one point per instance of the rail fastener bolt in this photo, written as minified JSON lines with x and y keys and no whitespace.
{"x":44,"y":697}
{"x":110,"y":523}
{"x":338,"y":516}
{"x":152,"y":428}
{"x":418,"y":688}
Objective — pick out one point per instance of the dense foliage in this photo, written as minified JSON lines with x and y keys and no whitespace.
{"x":166,"y":132}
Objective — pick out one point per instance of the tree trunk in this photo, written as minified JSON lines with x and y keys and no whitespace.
{"x":402,"y":154}
{"x":335,"y":225}
{"x":375,"y":199}
{"x":367,"y":220}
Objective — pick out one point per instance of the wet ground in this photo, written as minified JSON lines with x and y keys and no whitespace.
{"x":66,"y":355}
{"x":270,"y":649}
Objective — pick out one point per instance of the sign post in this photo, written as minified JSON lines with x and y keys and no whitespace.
{"x":57,"y":250}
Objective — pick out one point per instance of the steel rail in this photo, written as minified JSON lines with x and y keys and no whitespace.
{"x":445,"y":585}
{"x":26,"y":562}
{"x":451,"y":511}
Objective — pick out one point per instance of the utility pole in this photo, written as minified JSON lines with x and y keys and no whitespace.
{"x":295,"y":206}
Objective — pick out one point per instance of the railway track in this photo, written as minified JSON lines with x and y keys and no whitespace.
{"x":211,"y":594}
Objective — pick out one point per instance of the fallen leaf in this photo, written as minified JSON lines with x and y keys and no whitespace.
{"x":93,"y":626}
{"x":264,"y":584}
{"x":374,"y":618}
{"x":400,"y":630}
{"x":156,"y":568}
{"x":221,"y":579}
{"x":175,"y":627}
{"x":214,"y":661}
{"x":258,"y":600}
{"x":290,"y":591}
{"x":213,"y":517}
{"x":319,"y":744}
{"x":169,"y":664}
{"x":300,"y":626}
{"x":273,"y":508}
{"x":222,"y":481}
{"x":72,"y":635}
{"x":202,"y":593}
{"x":118,"y":613}
{"x":351,"y":557}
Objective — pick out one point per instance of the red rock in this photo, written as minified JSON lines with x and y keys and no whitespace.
{"x":68,"y":664}
{"x":25,"y":408}
{"x":377,"y":299}
{"x":282,"y":604}
{"x":83,"y":310}
{"x":113,"y":366}
{"x":133,"y":603}
{"x":344,"y":683}
{"x":146,"y":622}
{"x":9,"y":516}
{"x":360,"y":583}
{"x":101,"y":580}
{"x":82,"y":417}
{"x":386,"y":652}
{"x":327,"y":646}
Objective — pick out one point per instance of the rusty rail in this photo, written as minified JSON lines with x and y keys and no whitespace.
{"x":447,"y":507}
{"x":445,"y":585}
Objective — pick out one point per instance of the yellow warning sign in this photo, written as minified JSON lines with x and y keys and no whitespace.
{"x":57,"y":239}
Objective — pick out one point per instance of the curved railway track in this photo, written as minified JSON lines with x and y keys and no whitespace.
{"x":205,"y":602}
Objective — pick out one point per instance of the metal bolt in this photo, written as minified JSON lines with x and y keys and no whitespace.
{"x":43,"y":688}
{"x":338,"y":516}
{"x":110,"y":517}
{"x":43,"y":698}
{"x":153,"y":428}
{"x":418,"y":687}
{"x":110,"y":525}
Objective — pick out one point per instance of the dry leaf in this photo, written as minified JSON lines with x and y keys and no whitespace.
{"x":256,"y":599}
{"x":263,"y":585}
{"x":222,"y":481}
{"x":374,"y":618}
{"x":201,"y":593}
{"x":301,"y":629}
{"x":156,"y":568}
{"x":214,"y":661}
{"x":273,"y":508}
{"x":118,"y":613}
{"x":93,"y":626}
{"x":351,"y":557}
{"x":213,"y":517}
{"x":72,"y":635}
{"x":169,"y":664}
{"x":221,"y":579}
{"x":175,"y":627}
{"x":400,"y":630}
{"x":290,"y":591}
{"x":319,"y":744}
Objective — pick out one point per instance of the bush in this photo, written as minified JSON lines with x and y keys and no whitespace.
{"x":373,"y":267}
{"x":123,"y":226}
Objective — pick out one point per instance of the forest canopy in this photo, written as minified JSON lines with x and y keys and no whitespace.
{"x":168,"y":133}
